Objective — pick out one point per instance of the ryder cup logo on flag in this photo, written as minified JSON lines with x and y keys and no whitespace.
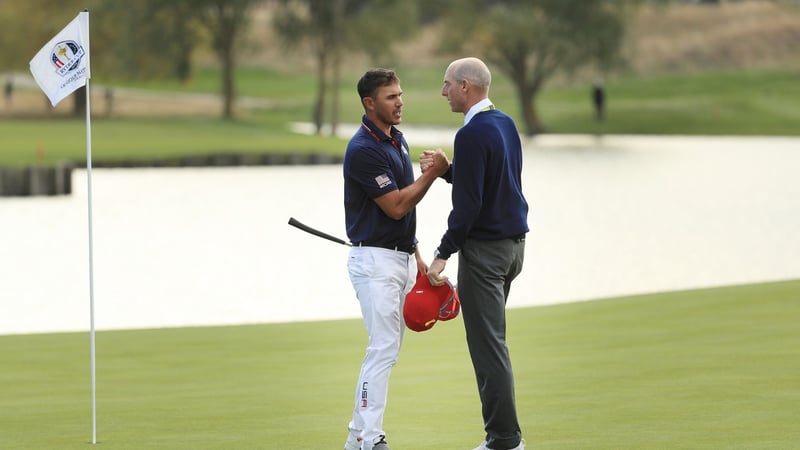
{"x":62,"y":65}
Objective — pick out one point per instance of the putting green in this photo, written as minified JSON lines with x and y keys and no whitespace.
{"x":713,"y":368}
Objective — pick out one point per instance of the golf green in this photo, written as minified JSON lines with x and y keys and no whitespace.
{"x":711,"y":368}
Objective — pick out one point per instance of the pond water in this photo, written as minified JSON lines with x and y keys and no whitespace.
{"x":610,"y":216}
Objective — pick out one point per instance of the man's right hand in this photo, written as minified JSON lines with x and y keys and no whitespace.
{"x":435,"y":160}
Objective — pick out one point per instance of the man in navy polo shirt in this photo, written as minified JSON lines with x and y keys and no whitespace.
{"x":380,"y":195}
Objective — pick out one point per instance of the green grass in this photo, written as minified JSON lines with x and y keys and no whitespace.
{"x":118,"y":139}
{"x":701,"y":369}
{"x":758,"y":102}
{"x":720,"y":103}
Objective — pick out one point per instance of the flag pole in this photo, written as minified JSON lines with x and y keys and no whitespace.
{"x":91,"y":244}
{"x":58,"y":68}
{"x":91,"y":263}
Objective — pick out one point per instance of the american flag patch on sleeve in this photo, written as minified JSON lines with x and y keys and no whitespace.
{"x":383,"y":181}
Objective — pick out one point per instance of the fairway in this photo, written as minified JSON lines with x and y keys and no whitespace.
{"x":712,"y":368}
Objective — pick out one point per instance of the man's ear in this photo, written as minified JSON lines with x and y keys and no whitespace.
{"x":369,"y":103}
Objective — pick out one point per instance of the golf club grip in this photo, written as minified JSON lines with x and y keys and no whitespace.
{"x":296,"y":223}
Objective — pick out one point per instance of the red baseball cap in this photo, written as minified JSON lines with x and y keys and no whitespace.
{"x":426,"y":304}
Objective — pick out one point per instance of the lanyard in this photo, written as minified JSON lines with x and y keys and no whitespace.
{"x":395,"y":142}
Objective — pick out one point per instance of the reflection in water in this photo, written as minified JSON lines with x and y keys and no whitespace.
{"x":178,"y":247}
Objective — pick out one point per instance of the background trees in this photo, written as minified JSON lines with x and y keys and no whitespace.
{"x":528,"y":40}
{"x":141,"y":40}
{"x":531,"y":40}
{"x":331,"y":27}
{"x":225,"y":21}
{"x":156,"y":39}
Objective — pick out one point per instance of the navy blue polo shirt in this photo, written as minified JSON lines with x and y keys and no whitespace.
{"x":375,"y":164}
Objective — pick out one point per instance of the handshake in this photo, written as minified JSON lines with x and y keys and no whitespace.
{"x":435,"y":161}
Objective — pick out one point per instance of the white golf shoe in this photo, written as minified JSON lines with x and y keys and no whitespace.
{"x":483,"y":446}
{"x":381,"y":445}
{"x":352,"y":443}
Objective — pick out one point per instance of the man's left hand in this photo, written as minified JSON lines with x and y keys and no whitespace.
{"x":435,"y":272}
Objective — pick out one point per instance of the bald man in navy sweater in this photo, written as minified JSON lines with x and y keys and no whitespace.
{"x":487,"y":228}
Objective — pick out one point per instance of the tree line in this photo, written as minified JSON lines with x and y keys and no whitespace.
{"x":528,"y":40}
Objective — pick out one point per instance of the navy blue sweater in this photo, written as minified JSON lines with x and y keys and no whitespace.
{"x":486,"y":174}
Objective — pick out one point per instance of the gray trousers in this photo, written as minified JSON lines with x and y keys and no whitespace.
{"x":485,"y":272}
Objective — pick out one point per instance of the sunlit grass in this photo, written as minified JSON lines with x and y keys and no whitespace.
{"x":710,"y":368}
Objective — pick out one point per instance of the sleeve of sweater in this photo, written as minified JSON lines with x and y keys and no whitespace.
{"x":468,"y":177}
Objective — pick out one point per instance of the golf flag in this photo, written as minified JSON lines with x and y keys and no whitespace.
{"x":60,"y":68}
{"x":62,"y":65}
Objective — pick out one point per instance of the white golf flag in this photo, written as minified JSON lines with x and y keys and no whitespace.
{"x":62,"y":65}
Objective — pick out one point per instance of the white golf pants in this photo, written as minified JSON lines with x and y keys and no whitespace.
{"x":381,"y":279}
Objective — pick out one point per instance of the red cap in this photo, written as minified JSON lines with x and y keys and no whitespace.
{"x":426,"y":304}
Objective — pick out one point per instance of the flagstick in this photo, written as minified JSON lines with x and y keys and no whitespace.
{"x":70,"y":43}
{"x":91,"y":260}
{"x":91,"y":242}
